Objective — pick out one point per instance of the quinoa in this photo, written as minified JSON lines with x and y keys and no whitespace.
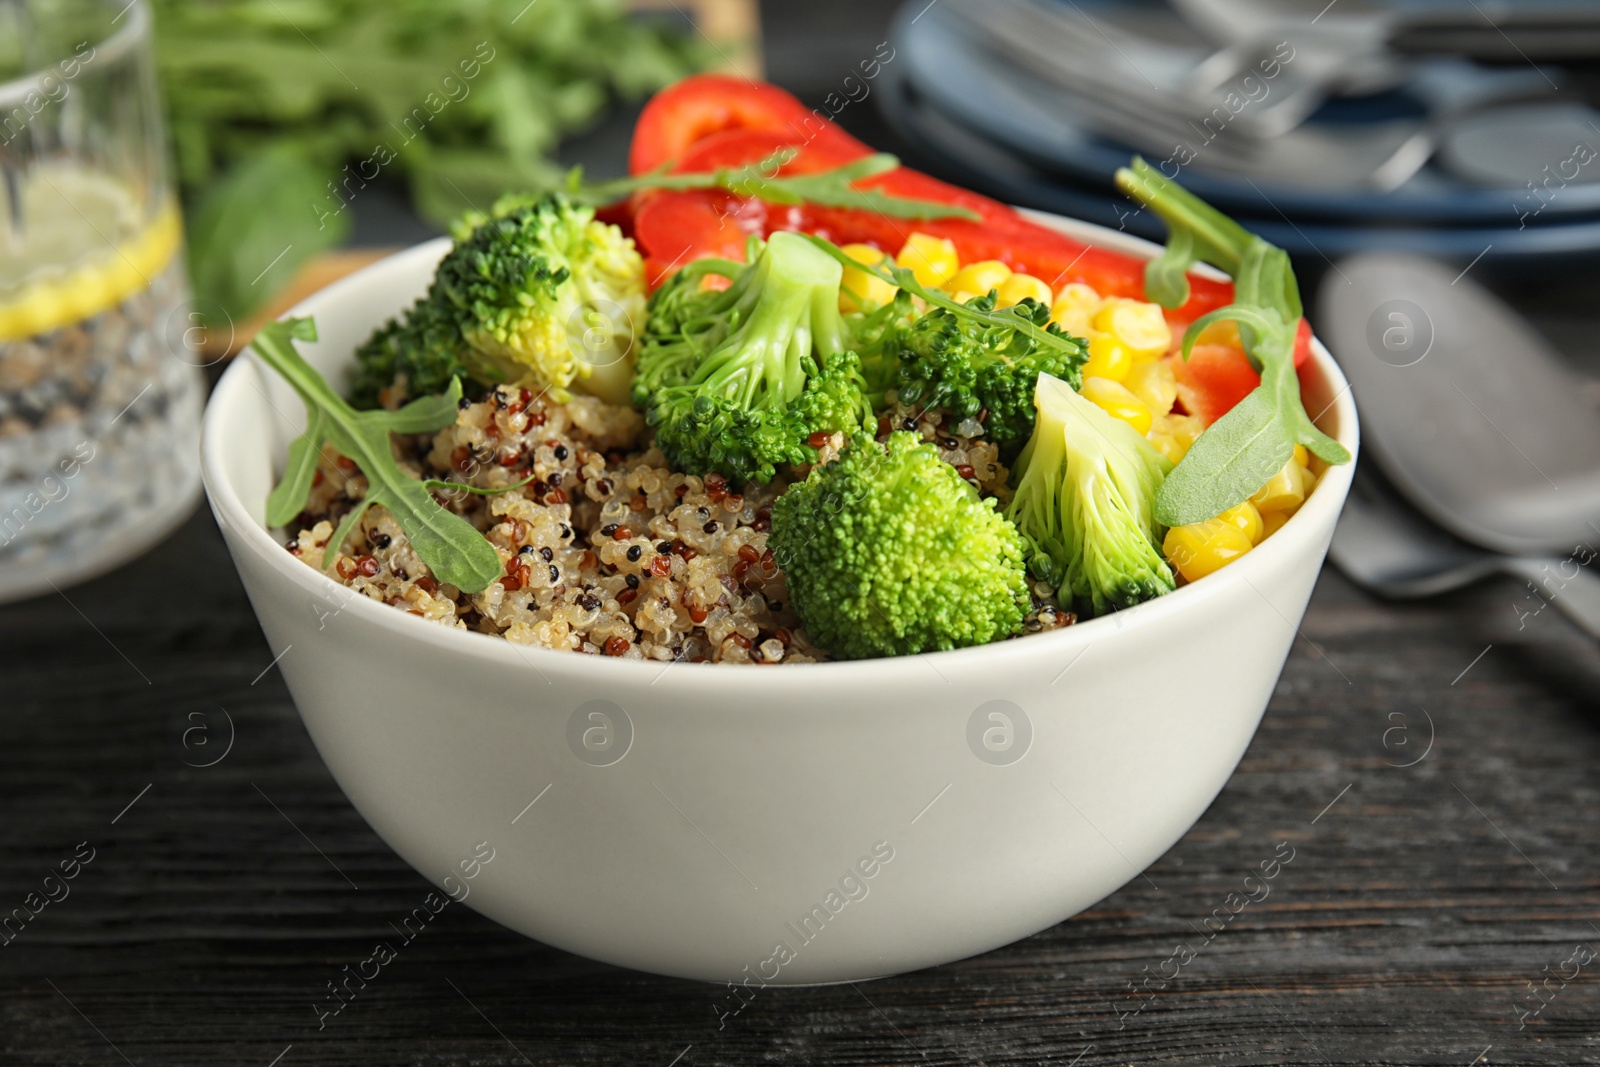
{"x":960,"y":442}
{"x":605,"y":550}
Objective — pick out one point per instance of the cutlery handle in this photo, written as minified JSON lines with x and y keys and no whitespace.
{"x":1577,"y":596}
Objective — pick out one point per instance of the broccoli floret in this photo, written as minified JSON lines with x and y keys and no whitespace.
{"x":539,"y":294}
{"x":878,"y":336}
{"x":963,"y":364}
{"x":888,"y":552}
{"x":418,"y":351}
{"x":1085,"y":501}
{"x":736,"y":380}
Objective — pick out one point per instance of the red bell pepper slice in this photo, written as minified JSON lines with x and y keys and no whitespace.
{"x":697,"y":224}
{"x":1217,"y":376}
{"x":693,"y":109}
{"x":738,"y":148}
{"x":673,"y":228}
{"x":708,"y":122}
{"x":1213,"y":379}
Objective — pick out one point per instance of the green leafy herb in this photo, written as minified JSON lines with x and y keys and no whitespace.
{"x":455,"y":551}
{"x":239,"y":226}
{"x":460,"y":101}
{"x":981,"y":312}
{"x":1244,"y":448}
{"x":829,"y":188}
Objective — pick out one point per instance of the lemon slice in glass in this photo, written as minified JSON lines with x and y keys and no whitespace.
{"x":84,"y":244}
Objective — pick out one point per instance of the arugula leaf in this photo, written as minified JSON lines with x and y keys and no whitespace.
{"x":289,"y":497}
{"x":427,"y":412}
{"x":1241,"y":450}
{"x":1232,"y":459}
{"x":828,"y":188}
{"x":904,"y":278}
{"x":451,"y":546}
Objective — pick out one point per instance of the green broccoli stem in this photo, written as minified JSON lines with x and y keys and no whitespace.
{"x":1086,"y":485}
{"x":788,"y":311}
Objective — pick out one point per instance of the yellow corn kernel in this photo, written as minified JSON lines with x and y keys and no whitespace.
{"x":1173,"y":434}
{"x":1114,"y":399}
{"x":1169,"y":446}
{"x":1201,"y":548}
{"x":1184,"y":427}
{"x":978,"y":278}
{"x":1074,"y":309}
{"x":1246,"y":518}
{"x":1301,"y":456}
{"x":1222,"y":332}
{"x":1155,"y":384}
{"x":1019,"y":287}
{"x":1073,"y":320}
{"x":858,"y":290}
{"x":932,"y":259}
{"x":1272,"y":522}
{"x":1284,"y":491}
{"x":1078,"y":295}
{"x":1138,"y":325}
{"x":1108,"y":357}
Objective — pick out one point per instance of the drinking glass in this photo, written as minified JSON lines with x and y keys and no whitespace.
{"x":100,"y":388}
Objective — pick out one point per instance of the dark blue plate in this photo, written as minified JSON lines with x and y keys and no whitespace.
{"x":957,"y":154}
{"x":1010,"y":107}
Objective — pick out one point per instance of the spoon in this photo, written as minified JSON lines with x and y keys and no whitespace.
{"x":1470,"y":413}
{"x":1384,"y":546}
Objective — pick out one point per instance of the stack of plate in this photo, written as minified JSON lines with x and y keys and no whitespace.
{"x":1423,"y":152}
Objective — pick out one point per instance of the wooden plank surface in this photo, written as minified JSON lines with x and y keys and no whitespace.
{"x":1419,"y":904}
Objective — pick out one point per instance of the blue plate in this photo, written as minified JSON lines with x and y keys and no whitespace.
{"x":957,"y":154}
{"x":1009,"y":106}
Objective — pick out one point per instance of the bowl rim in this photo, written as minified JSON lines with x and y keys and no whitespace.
{"x":1066,"y":644}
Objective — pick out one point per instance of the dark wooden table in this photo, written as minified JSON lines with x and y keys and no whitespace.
{"x":1432,"y":766}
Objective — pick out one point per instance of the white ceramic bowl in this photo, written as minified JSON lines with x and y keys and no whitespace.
{"x":809,"y":823}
